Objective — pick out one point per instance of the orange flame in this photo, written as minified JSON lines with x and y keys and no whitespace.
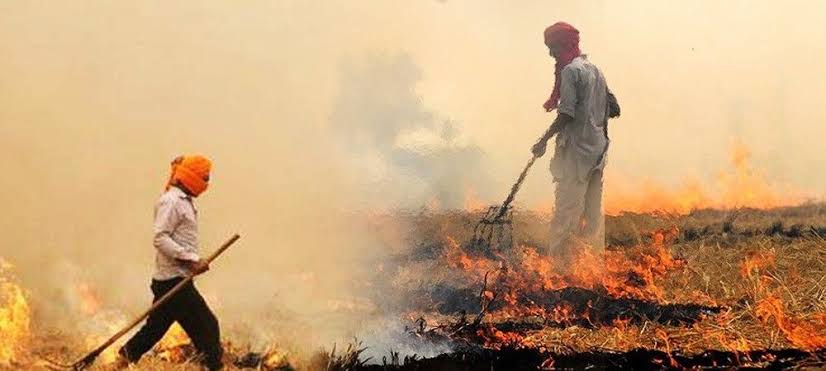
{"x":755,"y":263}
{"x":740,"y":186}
{"x":472,"y":201}
{"x":618,"y":273}
{"x":90,"y":302}
{"x":98,"y":322}
{"x":801,"y":333}
{"x":495,"y":339}
{"x":171,"y":347}
{"x":275,"y":359}
{"x":15,"y":318}
{"x":665,"y":338}
{"x":105,"y":328}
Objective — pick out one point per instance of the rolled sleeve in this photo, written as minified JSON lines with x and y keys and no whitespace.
{"x":567,"y":92}
{"x":167,"y":218}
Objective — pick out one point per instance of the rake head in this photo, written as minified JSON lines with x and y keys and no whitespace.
{"x":494,"y":232}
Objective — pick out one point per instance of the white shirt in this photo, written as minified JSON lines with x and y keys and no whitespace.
{"x":582,"y":144}
{"x":176,"y":234}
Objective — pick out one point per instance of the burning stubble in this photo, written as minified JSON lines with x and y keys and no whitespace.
{"x":15,"y":318}
{"x":323,"y":118}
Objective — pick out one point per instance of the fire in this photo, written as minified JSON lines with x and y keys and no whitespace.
{"x":803,"y":334}
{"x":628,"y":275}
{"x":737,"y":344}
{"x":103,"y":329}
{"x":513,"y":280}
{"x":631,"y":275}
{"x":649,"y":197}
{"x":102,"y":322}
{"x":755,"y":263}
{"x":176,"y":347}
{"x":662,"y":335}
{"x":98,"y":322}
{"x":472,"y":200}
{"x":90,"y":302}
{"x":456,"y":257}
{"x":746,"y":187}
{"x":739,"y":186}
{"x":15,"y":318}
{"x":275,"y":359}
{"x":495,"y":339}
{"x":172,"y":346}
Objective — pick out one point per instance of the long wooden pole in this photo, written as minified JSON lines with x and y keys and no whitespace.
{"x":89,"y":358}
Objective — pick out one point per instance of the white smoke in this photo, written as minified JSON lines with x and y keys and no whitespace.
{"x":410,"y":153}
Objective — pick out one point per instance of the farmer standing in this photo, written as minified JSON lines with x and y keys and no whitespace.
{"x":584,"y":104}
{"x":176,"y":241}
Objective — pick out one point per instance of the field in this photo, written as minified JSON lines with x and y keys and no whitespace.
{"x":710,"y":288}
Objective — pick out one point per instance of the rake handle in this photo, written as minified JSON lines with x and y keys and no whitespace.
{"x":505,"y":205}
{"x":165,"y":298}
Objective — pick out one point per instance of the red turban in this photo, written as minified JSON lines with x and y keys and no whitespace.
{"x":564,"y":39}
{"x":191,"y":172}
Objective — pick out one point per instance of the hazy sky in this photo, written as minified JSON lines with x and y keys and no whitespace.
{"x":289,"y":99}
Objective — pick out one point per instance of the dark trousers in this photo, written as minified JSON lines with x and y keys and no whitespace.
{"x":189,"y":309}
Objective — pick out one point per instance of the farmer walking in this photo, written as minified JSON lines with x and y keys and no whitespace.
{"x":583,"y":103}
{"x":176,"y":242}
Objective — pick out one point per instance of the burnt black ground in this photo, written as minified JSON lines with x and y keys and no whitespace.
{"x":601,"y":309}
{"x":637,"y":359}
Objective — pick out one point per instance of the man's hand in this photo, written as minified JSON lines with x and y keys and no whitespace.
{"x":539,"y":148}
{"x":197,"y":267}
{"x":549,"y":105}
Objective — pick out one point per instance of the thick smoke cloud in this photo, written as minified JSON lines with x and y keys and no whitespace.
{"x":402,"y":148}
{"x":312,"y":110}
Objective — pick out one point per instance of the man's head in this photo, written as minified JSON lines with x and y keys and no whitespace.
{"x":191,"y":173}
{"x":562,"y":40}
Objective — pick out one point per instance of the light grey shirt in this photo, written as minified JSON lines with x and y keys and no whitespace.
{"x":582,"y":144}
{"x":176,"y":234}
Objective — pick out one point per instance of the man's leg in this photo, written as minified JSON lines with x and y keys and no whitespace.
{"x":568,"y":209}
{"x":201,"y":326}
{"x":594,"y":229}
{"x":155,"y":327}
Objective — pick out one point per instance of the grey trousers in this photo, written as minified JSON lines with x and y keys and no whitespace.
{"x":578,"y":221}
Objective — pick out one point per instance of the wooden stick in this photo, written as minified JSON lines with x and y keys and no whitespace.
{"x":89,"y":358}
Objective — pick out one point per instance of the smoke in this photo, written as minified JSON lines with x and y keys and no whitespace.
{"x":314,"y":113}
{"x":386,"y":335}
{"x":387,"y":135}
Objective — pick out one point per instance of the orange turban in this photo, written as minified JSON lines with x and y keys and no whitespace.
{"x":190,"y":172}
